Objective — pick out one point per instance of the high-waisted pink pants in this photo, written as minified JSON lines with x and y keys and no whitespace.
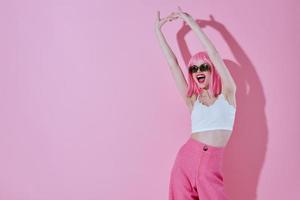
{"x":197,"y":173}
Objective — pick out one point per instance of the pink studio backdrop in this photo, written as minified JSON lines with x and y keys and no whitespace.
{"x":89,"y":109}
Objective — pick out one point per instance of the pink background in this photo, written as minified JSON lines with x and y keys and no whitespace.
{"x":89,"y":109}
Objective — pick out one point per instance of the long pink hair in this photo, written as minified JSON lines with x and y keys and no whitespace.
{"x":215,"y":85}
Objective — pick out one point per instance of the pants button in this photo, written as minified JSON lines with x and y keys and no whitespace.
{"x":205,"y":148}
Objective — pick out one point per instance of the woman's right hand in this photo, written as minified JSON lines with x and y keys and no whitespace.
{"x":160,"y":22}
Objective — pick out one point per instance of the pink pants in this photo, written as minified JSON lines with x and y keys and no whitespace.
{"x":197,"y":173}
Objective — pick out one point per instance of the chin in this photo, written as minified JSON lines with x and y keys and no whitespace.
{"x":202,"y":85}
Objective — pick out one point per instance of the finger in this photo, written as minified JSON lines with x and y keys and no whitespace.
{"x":170,"y":18}
{"x":158,"y":14}
{"x":165,"y":19}
{"x":174,"y":15}
{"x":171,"y":14}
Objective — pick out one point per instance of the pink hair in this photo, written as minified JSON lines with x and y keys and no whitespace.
{"x":215,"y":85}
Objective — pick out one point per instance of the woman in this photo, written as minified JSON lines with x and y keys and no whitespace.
{"x":210,"y":98}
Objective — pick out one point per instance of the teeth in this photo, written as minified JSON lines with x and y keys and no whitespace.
{"x":200,"y":78}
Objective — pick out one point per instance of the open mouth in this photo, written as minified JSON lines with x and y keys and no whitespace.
{"x":201,"y":78}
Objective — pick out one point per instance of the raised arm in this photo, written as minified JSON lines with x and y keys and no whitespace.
{"x":228,"y":83}
{"x":174,"y":67}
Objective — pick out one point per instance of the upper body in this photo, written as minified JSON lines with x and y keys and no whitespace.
{"x":217,"y":137}
{"x":224,"y":105}
{"x":212,"y":122}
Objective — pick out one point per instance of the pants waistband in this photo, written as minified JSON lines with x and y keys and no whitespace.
{"x":201,"y":146}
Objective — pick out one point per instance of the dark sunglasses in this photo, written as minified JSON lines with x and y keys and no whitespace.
{"x":203,"y":67}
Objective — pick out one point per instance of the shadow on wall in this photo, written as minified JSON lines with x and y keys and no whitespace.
{"x":245,"y":153}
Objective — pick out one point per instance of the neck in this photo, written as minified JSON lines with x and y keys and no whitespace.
{"x":206,"y":93}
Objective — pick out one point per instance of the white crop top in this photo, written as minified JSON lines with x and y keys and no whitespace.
{"x":219,"y":115}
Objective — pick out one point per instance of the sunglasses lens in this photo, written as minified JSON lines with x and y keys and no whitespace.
{"x":193,"y":69}
{"x":204,"y":67}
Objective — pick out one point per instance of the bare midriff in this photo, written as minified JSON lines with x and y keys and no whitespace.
{"x":218,"y":138}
